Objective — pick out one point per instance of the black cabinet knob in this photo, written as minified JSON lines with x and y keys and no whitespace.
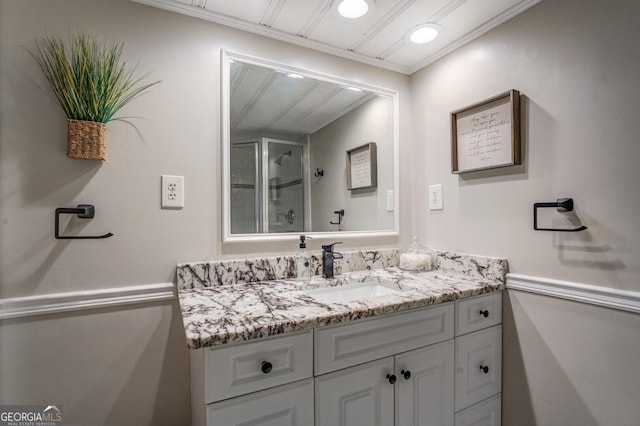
{"x":266,"y":367}
{"x":484,"y":313}
{"x":484,"y":368}
{"x":406,"y":374}
{"x":392,"y":378}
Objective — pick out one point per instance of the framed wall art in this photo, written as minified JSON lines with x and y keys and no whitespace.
{"x":486,"y":135}
{"x":362,"y":166}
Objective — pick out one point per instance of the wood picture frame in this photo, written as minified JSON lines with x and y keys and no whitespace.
{"x":362,"y":166}
{"x":486,"y":135}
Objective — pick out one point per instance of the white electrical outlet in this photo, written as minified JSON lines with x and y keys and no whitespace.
{"x":172,"y":192}
{"x":389,"y":200}
{"x":435,"y":197}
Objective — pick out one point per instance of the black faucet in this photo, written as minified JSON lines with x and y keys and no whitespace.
{"x":328,"y":255}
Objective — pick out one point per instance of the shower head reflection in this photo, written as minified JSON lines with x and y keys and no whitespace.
{"x":278,"y":161}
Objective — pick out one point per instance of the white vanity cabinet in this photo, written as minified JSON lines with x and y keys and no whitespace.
{"x":286,"y":405}
{"x":370,"y":394}
{"x":424,"y":396}
{"x":360,"y":395}
{"x":478,"y":354}
{"x":264,"y":382}
{"x":413,"y":388}
{"x":261,"y":364}
{"x":407,"y":387}
{"x":486,"y":413}
{"x":439,"y":365}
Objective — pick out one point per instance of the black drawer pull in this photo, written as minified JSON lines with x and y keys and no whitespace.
{"x":392,"y":378}
{"x":406,"y":374}
{"x":266,"y":367}
{"x":484,"y":368}
{"x":484,"y":313}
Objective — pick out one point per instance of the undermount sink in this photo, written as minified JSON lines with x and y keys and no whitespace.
{"x":350,"y":292}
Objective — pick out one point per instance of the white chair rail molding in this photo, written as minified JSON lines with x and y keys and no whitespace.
{"x":601,"y":296}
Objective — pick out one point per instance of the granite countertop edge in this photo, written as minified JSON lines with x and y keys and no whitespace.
{"x":228,"y":315}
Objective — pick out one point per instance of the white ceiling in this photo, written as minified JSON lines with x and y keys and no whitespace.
{"x":378,"y":38}
{"x":267,"y":102}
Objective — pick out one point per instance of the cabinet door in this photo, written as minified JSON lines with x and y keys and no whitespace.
{"x":424,"y":395}
{"x":288,"y":405}
{"x":478,"y":366}
{"x":356,"y":396}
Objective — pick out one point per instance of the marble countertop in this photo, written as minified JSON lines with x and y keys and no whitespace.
{"x":227,"y":314}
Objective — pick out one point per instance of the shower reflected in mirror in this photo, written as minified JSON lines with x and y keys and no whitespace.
{"x":267,"y":193}
{"x":284,"y":144}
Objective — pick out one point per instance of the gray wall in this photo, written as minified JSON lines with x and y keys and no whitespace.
{"x":127,"y":365}
{"x":568,"y":363}
{"x":365,"y":209}
{"x":576,"y":64}
{"x":179,"y":133}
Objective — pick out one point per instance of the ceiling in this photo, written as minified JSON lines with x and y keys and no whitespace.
{"x":264,"y":101}
{"x":379,"y":38}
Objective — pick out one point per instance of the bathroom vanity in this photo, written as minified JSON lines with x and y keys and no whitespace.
{"x":421,"y":348}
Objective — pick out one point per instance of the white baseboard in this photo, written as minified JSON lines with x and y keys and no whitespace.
{"x":595,"y":295}
{"x":78,"y":300}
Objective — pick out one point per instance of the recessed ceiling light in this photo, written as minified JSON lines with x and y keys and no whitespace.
{"x":355,"y":89}
{"x":294,"y":75}
{"x":353,"y":9}
{"x":423,"y":33}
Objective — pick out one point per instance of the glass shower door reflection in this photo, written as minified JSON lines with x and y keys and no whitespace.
{"x":284,"y":174}
{"x":245,"y":188}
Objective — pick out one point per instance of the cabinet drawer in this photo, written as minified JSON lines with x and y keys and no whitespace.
{"x":478,"y":366}
{"x":486,"y":413}
{"x":347,"y":345}
{"x":287,"y":405}
{"x":478,"y":312}
{"x":244,"y":368}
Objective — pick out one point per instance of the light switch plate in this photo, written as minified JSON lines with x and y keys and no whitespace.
{"x":435,"y":197}
{"x":172,"y":192}
{"x":389,"y":200}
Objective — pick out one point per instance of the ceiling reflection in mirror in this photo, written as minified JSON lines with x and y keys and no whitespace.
{"x":286,"y":151}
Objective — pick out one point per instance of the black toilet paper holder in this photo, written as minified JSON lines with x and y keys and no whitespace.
{"x":83,"y":211}
{"x":563,"y":205}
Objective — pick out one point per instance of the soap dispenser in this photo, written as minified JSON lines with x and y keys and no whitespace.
{"x":303,"y":261}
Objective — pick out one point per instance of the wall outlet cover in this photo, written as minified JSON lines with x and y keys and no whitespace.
{"x":172,"y":194}
{"x":435,"y":197}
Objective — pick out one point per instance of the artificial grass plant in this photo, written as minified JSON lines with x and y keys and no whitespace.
{"x":90,"y":80}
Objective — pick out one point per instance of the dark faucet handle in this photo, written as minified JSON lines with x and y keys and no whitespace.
{"x":329,"y":247}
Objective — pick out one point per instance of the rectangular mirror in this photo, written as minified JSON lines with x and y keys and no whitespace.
{"x":286,"y":138}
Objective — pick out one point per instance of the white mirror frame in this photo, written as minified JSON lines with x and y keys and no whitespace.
{"x":225,"y":109}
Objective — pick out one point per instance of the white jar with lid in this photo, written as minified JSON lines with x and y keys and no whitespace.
{"x":416,"y":257}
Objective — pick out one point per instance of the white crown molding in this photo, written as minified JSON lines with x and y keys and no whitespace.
{"x":185,"y":9}
{"x":601,"y":296}
{"x":301,"y":40}
{"x":78,"y":300}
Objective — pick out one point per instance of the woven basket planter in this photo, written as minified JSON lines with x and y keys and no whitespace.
{"x":86,"y":140}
